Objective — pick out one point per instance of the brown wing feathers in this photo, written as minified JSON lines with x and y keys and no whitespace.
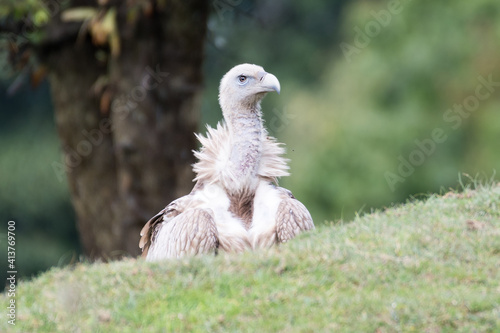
{"x":194,"y":232}
{"x":149,"y":231}
{"x":292,"y":217}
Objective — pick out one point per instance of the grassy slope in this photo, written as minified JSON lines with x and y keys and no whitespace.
{"x":429,"y":266}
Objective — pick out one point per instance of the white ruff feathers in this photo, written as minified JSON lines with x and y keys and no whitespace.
{"x":213,"y":158}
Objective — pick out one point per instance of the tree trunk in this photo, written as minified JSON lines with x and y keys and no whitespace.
{"x":127,"y":143}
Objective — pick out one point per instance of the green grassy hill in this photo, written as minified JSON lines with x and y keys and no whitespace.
{"x":427,"y":266}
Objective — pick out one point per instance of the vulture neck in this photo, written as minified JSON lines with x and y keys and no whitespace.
{"x":245,"y":129}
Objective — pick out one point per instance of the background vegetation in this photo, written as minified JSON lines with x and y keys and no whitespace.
{"x":346,"y":120}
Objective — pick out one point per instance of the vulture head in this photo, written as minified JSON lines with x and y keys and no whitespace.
{"x":244,"y":86}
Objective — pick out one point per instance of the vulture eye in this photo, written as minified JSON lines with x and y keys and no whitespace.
{"x":242,"y":79}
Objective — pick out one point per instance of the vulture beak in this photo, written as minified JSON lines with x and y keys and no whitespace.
{"x":269,"y":82}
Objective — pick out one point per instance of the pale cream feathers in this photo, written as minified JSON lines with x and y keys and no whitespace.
{"x":215,"y":151}
{"x":236,"y":203}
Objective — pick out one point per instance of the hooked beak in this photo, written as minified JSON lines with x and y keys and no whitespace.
{"x":269,"y":82}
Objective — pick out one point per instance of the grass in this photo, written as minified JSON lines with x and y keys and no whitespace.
{"x":426,"y":266}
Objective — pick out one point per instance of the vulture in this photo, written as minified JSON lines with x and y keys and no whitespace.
{"x":236,"y":203}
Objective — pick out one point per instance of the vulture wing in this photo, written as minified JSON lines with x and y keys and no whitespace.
{"x":149,"y":232}
{"x":292,"y":217}
{"x":179,"y":230}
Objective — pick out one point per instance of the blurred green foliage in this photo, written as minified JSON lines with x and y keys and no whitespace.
{"x":21,"y":8}
{"x":372,"y":107}
{"x":33,"y":13}
{"x":31,"y":193}
{"x":347,"y":118}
